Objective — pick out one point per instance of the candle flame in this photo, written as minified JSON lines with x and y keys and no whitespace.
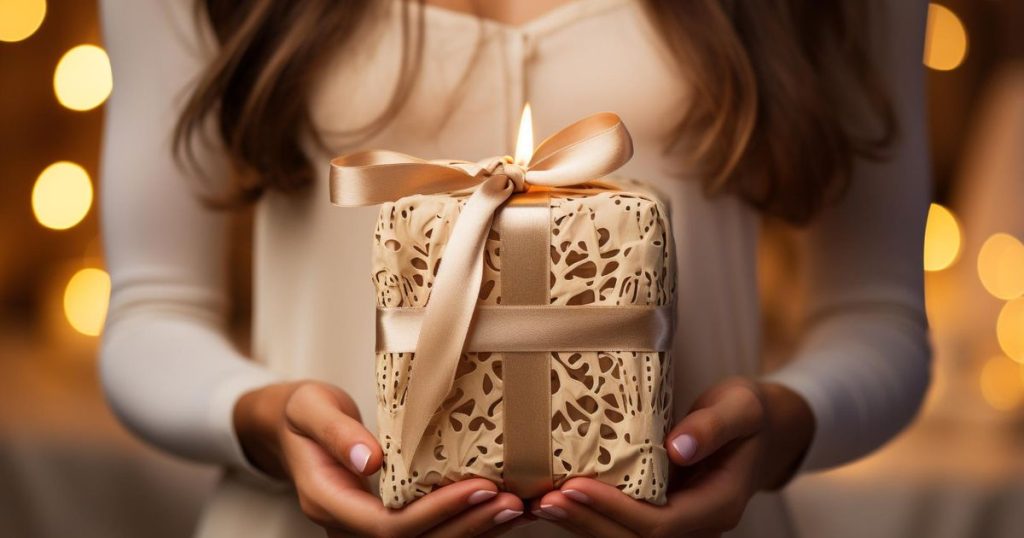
{"x":524,"y":143}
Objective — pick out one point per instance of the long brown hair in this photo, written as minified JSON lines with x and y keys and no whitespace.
{"x":776,"y":83}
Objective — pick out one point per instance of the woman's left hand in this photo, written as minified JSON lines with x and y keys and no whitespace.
{"x":740,"y":437}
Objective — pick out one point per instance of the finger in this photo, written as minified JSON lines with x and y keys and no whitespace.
{"x":501,"y":510}
{"x":732,"y":413}
{"x":365,"y":514}
{"x":568,"y":526}
{"x":329,"y":417}
{"x":716,"y":501}
{"x":443,"y":504}
{"x":579,"y":518}
{"x":332,"y":496}
{"x":639,"y":516}
{"x":319,"y":478}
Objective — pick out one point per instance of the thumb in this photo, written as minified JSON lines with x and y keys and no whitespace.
{"x":730,"y":411}
{"x":329,"y":417}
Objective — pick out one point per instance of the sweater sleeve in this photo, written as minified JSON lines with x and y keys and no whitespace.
{"x":864,"y":361}
{"x":167,"y":366}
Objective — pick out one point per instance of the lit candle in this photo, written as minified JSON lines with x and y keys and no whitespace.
{"x":524,"y":143}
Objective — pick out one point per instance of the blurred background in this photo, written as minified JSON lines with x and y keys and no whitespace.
{"x":67,"y":468}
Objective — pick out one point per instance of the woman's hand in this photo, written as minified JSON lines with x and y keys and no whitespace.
{"x":311,"y":433}
{"x":739,"y":438}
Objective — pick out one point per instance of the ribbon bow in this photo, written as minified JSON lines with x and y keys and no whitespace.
{"x":584,"y":151}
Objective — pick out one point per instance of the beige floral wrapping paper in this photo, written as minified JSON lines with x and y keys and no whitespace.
{"x":610,"y":410}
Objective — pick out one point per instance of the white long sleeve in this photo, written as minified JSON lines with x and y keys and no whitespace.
{"x":167,"y":366}
{"x":864,"y":362}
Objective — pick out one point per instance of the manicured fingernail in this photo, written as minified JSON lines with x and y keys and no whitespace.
{"x":480,"y":496}
{"x":553,"y":511}
{"x":359,"y":455}
{"x":685,"y":445}
{"x":577,"y":496}
{"x":507,"y":515}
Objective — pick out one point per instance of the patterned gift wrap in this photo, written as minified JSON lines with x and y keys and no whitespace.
{"x":610,"y":410}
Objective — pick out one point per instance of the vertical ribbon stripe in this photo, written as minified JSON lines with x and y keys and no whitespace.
{"x":524,"y":231}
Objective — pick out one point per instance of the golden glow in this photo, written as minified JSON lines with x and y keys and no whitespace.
{"x":945,"y":39}
{"x":1001,"y":383}
{"x":1001,"y":266}
{"x":82,"y":80}
{"x":85,"y":300}
{"x":1010,"y":329}
{"x":19,"y":19}
{"x":941,"y":239}
{"x":524,"y":143}
{"x":62,"y":195}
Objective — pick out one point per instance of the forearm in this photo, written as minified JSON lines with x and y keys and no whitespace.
{"x":864,"y":374}
{"x":174,"y":381}
{"x":789,"y":429}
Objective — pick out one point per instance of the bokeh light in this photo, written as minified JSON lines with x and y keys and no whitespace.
{"x":1002,"y":385}
{"x":945,"y":42}
{"x":83,"y":80}
{"x":19,"y":19}
{"x":1010,"y":329}
{"x":85,"y":300}
{"x":1001,"y":266}
{"x":941,"y":239}
{"x":62,"y":195}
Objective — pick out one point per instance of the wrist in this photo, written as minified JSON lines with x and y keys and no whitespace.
{"x":789,"y":424}
{"x":258,"y":417}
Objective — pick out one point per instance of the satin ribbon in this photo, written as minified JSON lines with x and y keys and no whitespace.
{"x":524,"y":226}
{"x":504,"y":328}
{"x":586,"y":150}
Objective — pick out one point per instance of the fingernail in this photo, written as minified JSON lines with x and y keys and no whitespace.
{"x":480,"y":496}
{"x":685,"y":445}
{"x":359,"y":455}
{"x":553,"y":511}
{"x":507,"y":515}
{"x":577,"y":496}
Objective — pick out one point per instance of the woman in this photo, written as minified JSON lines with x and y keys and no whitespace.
{"x":739,"y":110}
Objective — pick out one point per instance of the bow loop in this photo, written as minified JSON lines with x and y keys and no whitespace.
{"x":582,"y":152}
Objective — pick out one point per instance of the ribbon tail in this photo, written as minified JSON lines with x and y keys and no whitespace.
{"x":449,"y":313}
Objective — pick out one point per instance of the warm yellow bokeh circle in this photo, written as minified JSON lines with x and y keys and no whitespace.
{"x":83,"y":80}
{"x":19,"y":19}
{"x":62,"y":195}
{"x":85,"y":300}
{"x":941,"y":239}
{"x":945,"y":41}
{"x":1001,"y":266}
{"x":1001,"y":383}
{"x":1010,"y":329}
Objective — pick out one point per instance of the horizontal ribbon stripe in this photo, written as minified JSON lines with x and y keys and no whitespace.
{"x":510,"y":328}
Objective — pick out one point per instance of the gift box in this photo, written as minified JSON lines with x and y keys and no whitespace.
{"x":544,"y":356}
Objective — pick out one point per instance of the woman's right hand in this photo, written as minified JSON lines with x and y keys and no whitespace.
{"x":311,"y":433}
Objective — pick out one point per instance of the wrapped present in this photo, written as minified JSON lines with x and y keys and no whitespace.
{"x":524,"y":317}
